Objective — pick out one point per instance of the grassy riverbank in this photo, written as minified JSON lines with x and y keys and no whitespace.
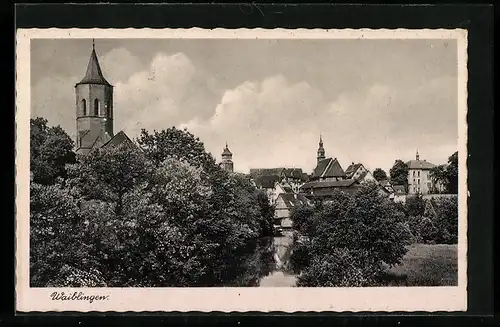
{"x":426,"y":265}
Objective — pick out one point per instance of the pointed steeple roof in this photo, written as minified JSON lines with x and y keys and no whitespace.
{"x":226,"y":151}
{"x":94,"y":73}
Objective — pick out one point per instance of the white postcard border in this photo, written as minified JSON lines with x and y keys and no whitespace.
{"x":265,"y":299}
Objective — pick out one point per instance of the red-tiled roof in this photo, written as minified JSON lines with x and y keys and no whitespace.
{"x":420,"y":164}
{"x":94,"y":73}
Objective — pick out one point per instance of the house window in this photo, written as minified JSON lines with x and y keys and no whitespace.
{"x":96,"y":107}
{"x":418,"y":173}
{"x":418,"y":181}
{"x":413,"y":173}
{"x":84,"y":107}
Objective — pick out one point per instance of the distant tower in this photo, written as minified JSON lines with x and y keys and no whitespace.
{"x":417,"y":156}
{"x":321,"y":150}
{"x":227,"y":159}
{"x":94,"y":107}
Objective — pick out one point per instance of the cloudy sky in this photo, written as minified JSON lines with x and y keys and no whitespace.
{"x":374,"y":101}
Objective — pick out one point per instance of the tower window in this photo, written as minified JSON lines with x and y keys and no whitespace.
{"x":96,"y":107}
{"x":108,"y":108}
{"x":84,"y":107}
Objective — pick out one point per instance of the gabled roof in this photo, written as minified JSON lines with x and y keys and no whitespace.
{"x":293,"y":173}
{"x":94,"y":73}
{"x":420,"y":164}
{"x":266,"y":181}
{"x":328,"y":168}
{"x":292,"y":200}
{"x":330,"y":184}
{"x":254,"y":172}
{"x":352,"y":169}
{"x":118,"y":139}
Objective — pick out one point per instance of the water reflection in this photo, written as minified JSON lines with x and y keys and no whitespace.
{"x":265,"y":264}
{"x":280,"y":271}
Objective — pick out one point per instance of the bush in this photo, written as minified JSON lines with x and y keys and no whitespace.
{"x":352,"y":235}
{"x":433,"y":221}
{"x":337,"y":269}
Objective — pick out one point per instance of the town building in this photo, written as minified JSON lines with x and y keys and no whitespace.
{"x":324,"y":190}
{"x":328,"y":170}
{"x":399,"y":194}
{"x":285,"y":203}
{"x":94,"y":110}
{"x":358,"y":172}
{"x":419,"y":176}
{"x":227,"y":160}
{"x":275,"y":181}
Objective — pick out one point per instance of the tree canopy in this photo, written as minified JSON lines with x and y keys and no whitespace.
{"x":50,"y":150}
{"x":166,"y":215}
{"x":351,"y":236}
{"x":399,"y":174}
{"x":379,"y":174}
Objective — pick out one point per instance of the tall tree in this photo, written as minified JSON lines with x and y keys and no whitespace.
{"x":452,"y":173}
{"x":399,"y":174}
{"x":108,"y":174}
{"x":175,"y":143}
{"x":439,"y":178}
{"x":379,"y":174}
{"x":350,"y":240}
{"x":50,"y":150}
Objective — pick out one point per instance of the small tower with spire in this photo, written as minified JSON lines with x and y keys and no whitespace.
{"x":94,"y":107}
{"x":227,"y":160}
{"x":417,"y":157}
{"x":321,"y":150}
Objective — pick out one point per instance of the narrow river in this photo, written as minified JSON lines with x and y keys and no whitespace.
{"x":279,"y":277}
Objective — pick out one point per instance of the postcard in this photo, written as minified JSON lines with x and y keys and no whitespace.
{"x":241,"y":170}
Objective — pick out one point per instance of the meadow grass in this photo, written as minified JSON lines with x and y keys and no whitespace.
{"x":425,"y":265}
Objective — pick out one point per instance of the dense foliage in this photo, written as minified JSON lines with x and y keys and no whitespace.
{"x":379,"y":174}
{"x":399,"y":174}
{"x":162,"y":214}
{"x":348,"y":240}
{"x":50,"y":150}
{"x":447,"y":175}
{"x":433,"y":220}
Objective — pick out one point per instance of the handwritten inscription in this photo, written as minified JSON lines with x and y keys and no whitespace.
{"x":77,"y":296}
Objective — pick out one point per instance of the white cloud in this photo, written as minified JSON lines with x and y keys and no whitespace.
{"x":161,"y":96}
{"x":276,"y":123}
{"x":268,"y":122}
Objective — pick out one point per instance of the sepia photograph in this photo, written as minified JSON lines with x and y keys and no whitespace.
{"x":261,"y":161}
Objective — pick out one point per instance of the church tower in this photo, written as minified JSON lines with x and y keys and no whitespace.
{"x":321,"y":150}
{"x":94,"y":107}
{"x":227,"y":159}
